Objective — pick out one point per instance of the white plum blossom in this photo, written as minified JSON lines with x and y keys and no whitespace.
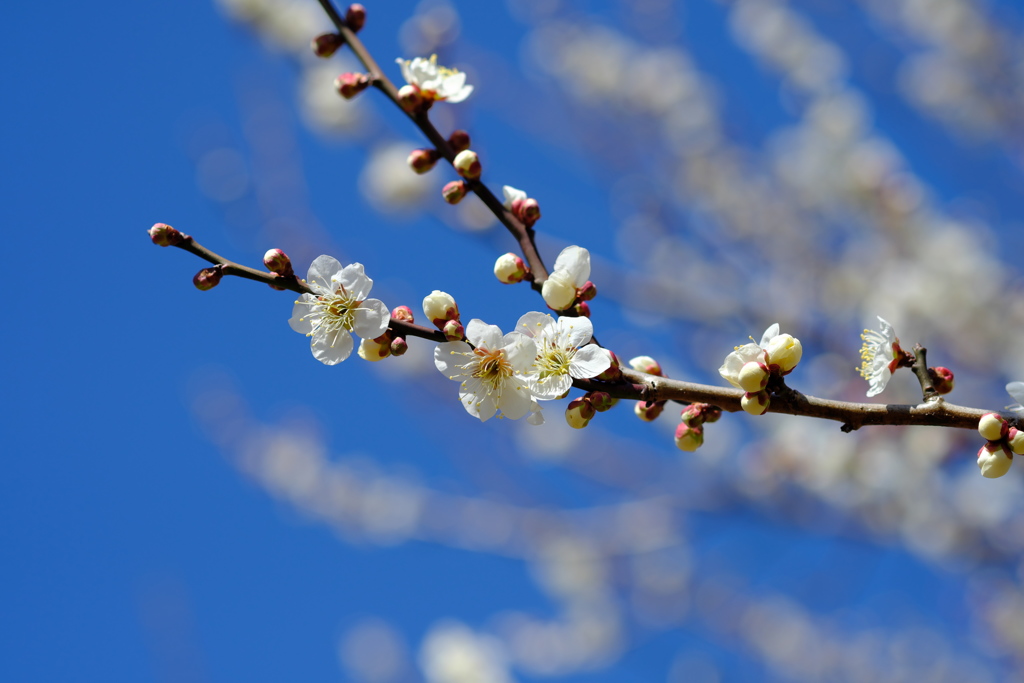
{"x":880,"y":356}
{"x":572,"y":271}
{"x":511,"y":195}
{"x":435,"y":82}
{"x":495,"y":372}
{"x":337,"y":308}
{"x":749,"y":366}
{"x":563,"y":353}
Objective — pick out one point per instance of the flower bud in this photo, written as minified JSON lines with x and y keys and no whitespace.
{"x":753,"y":377}
{"x":164,"y":235}
{"x":355,"y":17}
{"x":375,"y":349}
{"x":349,"y":85}
{"x":689,"y":438}
{"x":692,"y":415}
{"x":403,"y":313}
{"x":601,"y":400}
{"x":785,"y":351}
{"x":614,"y":371}
{"x":422,"y":160}
{"x":509,"y":269}
{"x":646,"y":364}
{"x":278,"y":262}
{"x":454,"y":191}
{"x":1016,"y":441}
{"x":579,"y":412}
{"x":558,"y":293}
{"x":453,"y":331}
{"x":208,"y":278}
{"x":528,"y":211}
{"x":587,"y":292}
{"x":648,"y":411}
{"x":755,"y":404}
{"x":326,"y":45}
{"x":459,"y":140}
{"x":399,"y":346}
{"x":712,"y":413}
{"x":942,"y":379}
{"x":994,"y":459}
{"x":992,"y":427}
{"x":410,"y":98}
{"x":439,"y":307}
{"x":582,"y":309}
{"x":467,"y":163}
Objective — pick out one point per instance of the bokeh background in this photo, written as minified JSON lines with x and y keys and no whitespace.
{"x":188,"y":496}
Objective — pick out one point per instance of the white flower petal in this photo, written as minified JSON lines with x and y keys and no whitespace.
{"x":747,"y":353}
{"x":1016,"y":390}
{"x":574,"y":262}
{"x":448,"y":357}
{"x":480,"y":333}
{"x":520,"y":351}
{"x":516,"y":400}
{"x":371,"y":319}
{"x":534,"y":323}
{"x":557,"y":291}
{"x":355,"y":282}
{"x":574,"y":332}
{"x":551,"y":387}
{"x":769,"y":334}
{"x":512,"y":194}
{"x":590,"y":361}
{"x":460,"y":95}
{"x":322,"y":270}
{"x":332,"y":348}
{"x":300,"y":320}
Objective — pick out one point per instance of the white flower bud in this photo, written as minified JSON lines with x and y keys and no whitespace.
{"x":753,"y":377}
{"x":509,"y":269}
{"x":755,"y":404}
{"x":440,"y":307}
{"x":689,"y":438}
{"x":467,"y":163}
{"x":994,"y":460}
{"x":579,"y":413}
{"x":375,"y":349}
{"x":1016,"y":440}
{"x":991,"y":426}
{"x":785,"y":351}
{"x":645,"y":364}
{"x":558,"y":292}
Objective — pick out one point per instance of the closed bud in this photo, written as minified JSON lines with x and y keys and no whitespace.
{"x":755,"y":403}
{"x":600,"y":400}
{"x":454,"y":191}
{"x":164,"y":235}
{"x":528,"y":211}
{"x":712,"y":413}
{"x":645,"y":364}
{"x":579,"y":413}
{"x":942,"y":379}
{"x":467,"y":163}
{"x":648,"y":411}
{"x":459,"y":140}
{"x":587,"y":292}
{"x":422,"y":160}
{"x":207,"y":278}
{"x":439,"y":307}
{"x":375,"y":349}
{"x":1016,"y":440}
{"x":453,"y":331}
{"x":689,"y":438}
{"x":403,"y":313}
{"x":410,"y":98}
{"x":326,"y":45}
{"x":752,"y":377}
{"x":994,"y":459}
{"x":614,"y":371}
{"x":692,"y":415}
{"x":582,"y":309}
{"x":558,"y":293}
{"x":399,"y":346}
{"x":992,"y":427}
{"x":509,"y":269}
{"x":349,"y":85}
{"x":785,"y":351}
{"x":278,"y":262}
{"x":355,"y":17}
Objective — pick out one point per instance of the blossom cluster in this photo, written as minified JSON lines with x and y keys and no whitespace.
{"x":751,"y":366}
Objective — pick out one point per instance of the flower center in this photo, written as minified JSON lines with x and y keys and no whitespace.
{"x":334,"y":312}
{"x":492,"y":367}
{"x":553,"y":360}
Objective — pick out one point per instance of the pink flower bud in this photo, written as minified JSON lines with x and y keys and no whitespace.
{"x":587,"y":292}
{"x":355,"y":17}
{"x":439,"y":307}
{"x":689,"y":438}
{"x":942,"y":379}
{"x":600,"y":400}
{"x":278,"y":262}
{"x":422,"y":160}
{"x":207,"y":278}
{"x":164,"y":235}
{"x":614,"y":371}
{"x":579,"y":413}
{"x":582,"y":309}
{"x":756,"y":403}
{"x":349,"y":85}
{"x":645,"y":364}
{"x":648,"y":411}
{"x":528,"y":211}
{"x":326,"y":45}
{"x":994,"y":459}
{"x":712,"y":413}
{"x":1015,"y":439}
{"x":454,"y":191}
{"x":992,"y":427}
{"x":410,"y":97}
{"x":399,"y":346}
{"x":459,"y":140}
{"x":509,"y":269}
{"x":403,"y":313}
{"x":453,"y":331}
{"x":375,"y":349}
{"x":467,"y":163}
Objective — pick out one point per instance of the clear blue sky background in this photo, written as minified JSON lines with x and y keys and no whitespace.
{"x":130,"y":550}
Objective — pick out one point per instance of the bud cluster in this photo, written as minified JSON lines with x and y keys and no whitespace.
{"x":581,"y":410}
{"x":647,"y":410}
{"x":441,"y":310}
{"x":526,"y":209}
{"x":350,"y":84}
{"x":391,"y":343}
{"x":1002,"y":441}
{"x":752,"y":366}
{"x":690,"y":432}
